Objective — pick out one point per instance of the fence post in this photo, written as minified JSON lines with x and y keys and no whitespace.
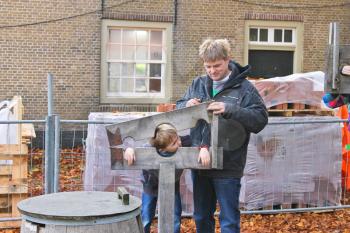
{"x":57,"y":154}
{"x":49,"y":153}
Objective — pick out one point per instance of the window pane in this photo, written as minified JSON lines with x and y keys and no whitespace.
{"x":115,"y":36}
{"x":156,"y":37}
{"x":142,"y":37}
{"x":278,"y":35}
{"x":288,"y":35}
{"x":128,"y":37}
{"x":114,"y":51}
{"x":155,"y":70}
{"x":141,"y":52}
{"x":113,"y":85}
{"x":154,"y":85}
{"x":114,"y":70}
{"x":127,"y":85}
{"x":263,"y":35}
{"x":141,"y":70}
{"x":128,"y":52}
{"x":156,"y":53}
{"x":128,"y":70}
{"x":253,"y":34}
{"x":141,"y":85}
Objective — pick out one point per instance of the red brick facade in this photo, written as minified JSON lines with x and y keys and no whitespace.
{"x":64,"y":37}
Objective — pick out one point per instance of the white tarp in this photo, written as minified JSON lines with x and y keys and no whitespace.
{"x":8,"y":132}
{"x":286,"y":163}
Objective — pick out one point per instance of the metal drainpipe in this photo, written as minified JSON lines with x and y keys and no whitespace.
{"x":175,"y":12}
{"x":102,"y":8}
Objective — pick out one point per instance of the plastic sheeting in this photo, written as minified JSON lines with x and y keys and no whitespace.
{"x":8,"y":132}
{"x":305,"y":88}
{"x":292,"y":163}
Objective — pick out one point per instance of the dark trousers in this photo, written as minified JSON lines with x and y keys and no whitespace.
{"x":206,"y":192}
{"x":148,"y":211}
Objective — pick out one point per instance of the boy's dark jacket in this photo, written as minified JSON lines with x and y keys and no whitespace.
{"x":150,"y":178}
{"x":243,"y":104}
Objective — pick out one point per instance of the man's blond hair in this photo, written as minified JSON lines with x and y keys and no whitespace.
{"x":213,"y":50}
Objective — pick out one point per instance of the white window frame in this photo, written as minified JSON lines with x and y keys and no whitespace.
{"x":136,"y":98}
{"x":296,"y":45}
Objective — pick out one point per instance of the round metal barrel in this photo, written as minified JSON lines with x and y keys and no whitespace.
{"x":73,"y":212}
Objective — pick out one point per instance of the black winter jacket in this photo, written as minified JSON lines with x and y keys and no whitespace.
{"x":243,"y":104}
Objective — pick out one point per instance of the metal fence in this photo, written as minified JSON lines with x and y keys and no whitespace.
{"x":294,"y":164}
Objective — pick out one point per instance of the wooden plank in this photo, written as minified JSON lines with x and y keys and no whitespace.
{"x":166,"y":200}
{"x":28,"y":131}
{"x":143,"y":128}
{"x":5,"y":170}
{"x":5,"y":201}
{"x":20,"y":167}
{"x":216,"y":159}
{"x":18,"y":113}
{"x":148,"y":158}
{"x":9,"y":186}
{"x":123,"y":195}
{"x":10,"y":224}
{"x":15,"y":199}
{"x":13,"y":149}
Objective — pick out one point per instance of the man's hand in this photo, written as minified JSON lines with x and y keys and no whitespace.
{"x":193,"y":102}
{"x":204,"y":157}
{"x":129,"y":155}
{"x":217,"y":107}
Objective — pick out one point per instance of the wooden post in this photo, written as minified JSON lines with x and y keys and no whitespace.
{"x":166,"y":199}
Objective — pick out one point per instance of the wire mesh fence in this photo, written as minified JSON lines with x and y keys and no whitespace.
{"x":293,"y":164}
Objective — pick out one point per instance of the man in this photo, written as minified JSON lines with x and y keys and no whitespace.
{"x":235,"y":100}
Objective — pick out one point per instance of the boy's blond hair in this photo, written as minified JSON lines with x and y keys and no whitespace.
{"x":164,"y":134}
{"x":213,"y":50}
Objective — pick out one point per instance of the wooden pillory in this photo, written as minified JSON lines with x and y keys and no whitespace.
{"x":148,"y":158}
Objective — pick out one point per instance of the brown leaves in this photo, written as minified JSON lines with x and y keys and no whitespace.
{"x":327,"y":222}
{"x":72,"y":165}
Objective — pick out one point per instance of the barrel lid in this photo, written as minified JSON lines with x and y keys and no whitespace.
{"x":77,"y":205}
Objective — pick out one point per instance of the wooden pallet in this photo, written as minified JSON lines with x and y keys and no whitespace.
{"x":298,"y":109}
{"x":14,"y":170}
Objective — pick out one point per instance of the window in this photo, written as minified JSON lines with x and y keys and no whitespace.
{"x":271,"y":35}
{"x":273,"y":48}
{"x":135,"y":62}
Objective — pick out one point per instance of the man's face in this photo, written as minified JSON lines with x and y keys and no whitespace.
{"x":218,"y":69}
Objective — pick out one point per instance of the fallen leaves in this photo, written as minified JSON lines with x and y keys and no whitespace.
{"x":72,"y":164}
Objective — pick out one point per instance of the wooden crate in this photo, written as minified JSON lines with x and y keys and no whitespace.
{"x":14,"y":170}
{"x":298,"y":109}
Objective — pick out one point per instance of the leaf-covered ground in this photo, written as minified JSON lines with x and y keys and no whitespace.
{"x":72,"y":165}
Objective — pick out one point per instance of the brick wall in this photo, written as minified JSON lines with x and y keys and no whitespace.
{"x":70,"y":48}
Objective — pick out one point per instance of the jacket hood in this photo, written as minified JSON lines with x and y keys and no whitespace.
{"x":239,"y":73}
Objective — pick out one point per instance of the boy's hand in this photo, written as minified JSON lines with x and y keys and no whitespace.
{"x":129,"y":155}
{"x":204,"y":157}
{"x":193,"y":102}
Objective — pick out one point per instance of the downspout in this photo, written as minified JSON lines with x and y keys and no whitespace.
{"x":175,"y":12}
{"x":102,"y":8}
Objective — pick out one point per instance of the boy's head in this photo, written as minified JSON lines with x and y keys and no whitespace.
{"x":166,"y":138}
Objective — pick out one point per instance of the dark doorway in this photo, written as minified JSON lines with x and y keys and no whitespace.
{"x":270,"y":63}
